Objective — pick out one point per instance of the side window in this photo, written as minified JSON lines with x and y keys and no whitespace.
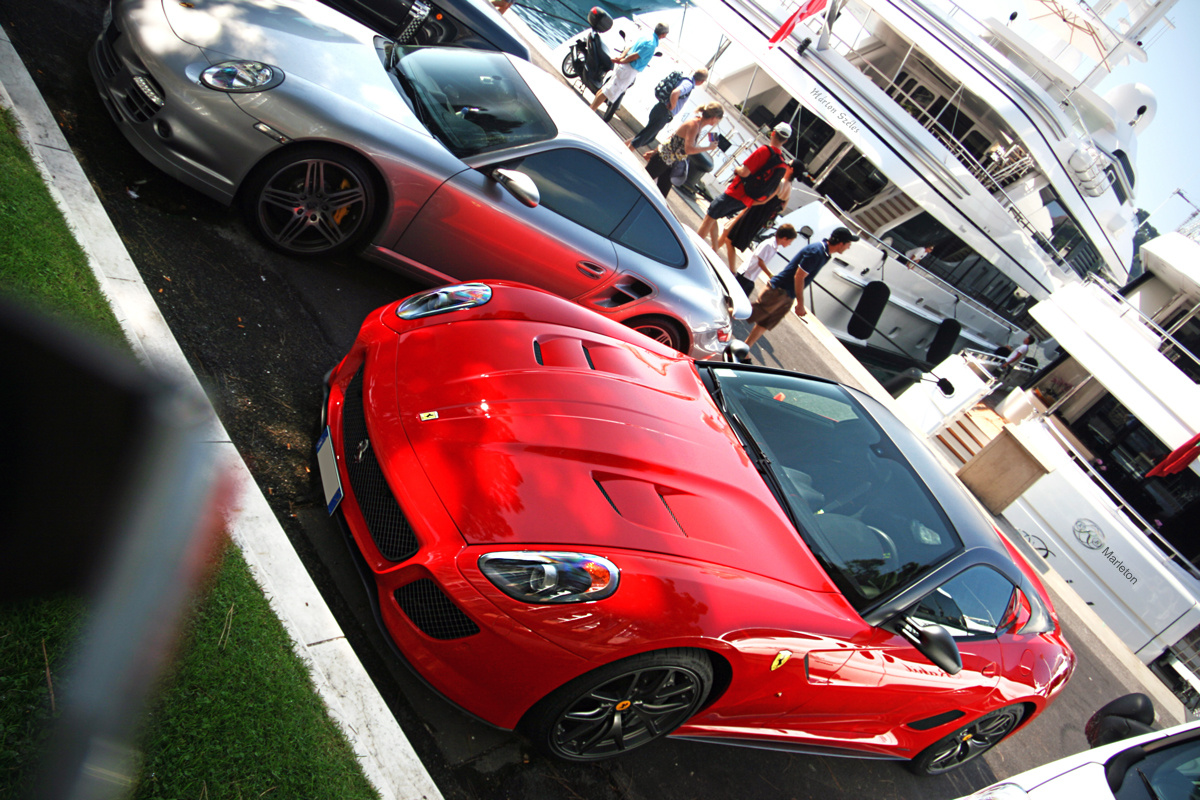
{"x":582,"y":188}
{"x":646,"y":232}
{"x":970,"y":605}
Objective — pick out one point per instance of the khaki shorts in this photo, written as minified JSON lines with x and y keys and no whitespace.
{"x":771,"y":307}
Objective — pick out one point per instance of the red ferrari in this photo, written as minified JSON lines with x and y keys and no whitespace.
{"x":576,"y":532}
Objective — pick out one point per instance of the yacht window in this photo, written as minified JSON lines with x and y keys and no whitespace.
{"x":1123,"y":450}
{"x":1126,"y":166}
{"x":976,"y":144}
{"x":1065,"y":240}
{"x":1115,"y":182}
{"x":957,"y":264}
{"x":854,"y":181}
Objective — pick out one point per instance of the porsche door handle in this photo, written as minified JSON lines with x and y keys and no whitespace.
{"x":591,"y":270}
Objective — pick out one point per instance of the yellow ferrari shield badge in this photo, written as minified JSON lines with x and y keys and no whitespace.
{"x":780,"y":659}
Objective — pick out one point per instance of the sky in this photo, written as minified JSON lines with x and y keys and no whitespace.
{"x":1169,"y":149}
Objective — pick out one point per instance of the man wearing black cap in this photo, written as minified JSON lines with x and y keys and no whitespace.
{"x":773,"y":304}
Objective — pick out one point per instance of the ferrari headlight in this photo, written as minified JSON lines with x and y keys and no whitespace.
{"x":242,"y":76}
{"x":1001,"y":791}
{"x":551,"y":577}
{"x":444,"y":299}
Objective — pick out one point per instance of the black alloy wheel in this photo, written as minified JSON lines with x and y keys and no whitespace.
{"x":660,"y":329}
{"x":311,"y":201}
{"x":620,"y":706}
{"x":968,"y":742}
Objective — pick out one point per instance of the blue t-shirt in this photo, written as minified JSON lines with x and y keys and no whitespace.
{"x":810,"y":259}
{"x":685,"y":87}
{"x":644,"y":49}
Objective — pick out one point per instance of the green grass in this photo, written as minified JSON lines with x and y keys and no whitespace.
{"x":40,"y":262}
{"x":235,"y":715}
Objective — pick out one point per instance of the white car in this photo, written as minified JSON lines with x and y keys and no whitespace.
{"x":1163,"y":765}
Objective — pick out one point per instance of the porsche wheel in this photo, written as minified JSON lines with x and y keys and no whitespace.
{"x":968,"y":742}
{"x":620,"y":706}
{"x":660,"y":329}
{"x":311,"y":201}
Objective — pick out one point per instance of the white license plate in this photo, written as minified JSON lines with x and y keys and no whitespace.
{"x":331,"y":481}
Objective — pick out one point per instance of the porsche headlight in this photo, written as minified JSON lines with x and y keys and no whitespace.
{"x":444,"y":299}
{"x":242,"y":76}
{"x":535,"y":577}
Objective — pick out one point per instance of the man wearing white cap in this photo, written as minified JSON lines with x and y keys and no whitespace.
{"x":754,"y":182}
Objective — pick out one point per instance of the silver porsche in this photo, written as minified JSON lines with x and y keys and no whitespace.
{"x":446,"y":163}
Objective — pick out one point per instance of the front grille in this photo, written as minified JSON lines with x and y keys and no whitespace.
{"x":106,"y":53}
{"x":389,"y":529}
{"x":434,"y":613}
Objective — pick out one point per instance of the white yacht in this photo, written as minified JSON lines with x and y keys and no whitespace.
{"x":1069,"y":459}
{"x":921,"y":125}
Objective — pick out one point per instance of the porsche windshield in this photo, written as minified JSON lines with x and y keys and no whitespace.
{"x":473,"y":102}
{"x":861,"y":507}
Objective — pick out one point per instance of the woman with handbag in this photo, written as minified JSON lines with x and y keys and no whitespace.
{"x":671,"y":157}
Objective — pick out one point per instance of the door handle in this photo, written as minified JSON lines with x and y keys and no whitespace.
{"x":990,"y":670}
{"x":590,"y":269}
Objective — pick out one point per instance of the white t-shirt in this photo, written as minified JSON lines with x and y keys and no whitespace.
{"x":761,"y":255}
{"x":1017,"y":354}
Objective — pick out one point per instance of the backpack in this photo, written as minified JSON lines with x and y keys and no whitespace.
{"x":762,"y":183}
{"x":662,"y":92}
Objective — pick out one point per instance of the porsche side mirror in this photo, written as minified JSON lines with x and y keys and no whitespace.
{"x":935,"y":643}
{"x":519,"y":185}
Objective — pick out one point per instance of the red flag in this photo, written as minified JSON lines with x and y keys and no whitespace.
{"x":1178,"y":459}
{"x":807,"y":9}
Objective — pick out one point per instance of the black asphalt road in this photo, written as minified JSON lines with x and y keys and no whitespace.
{"x":260,"y":330}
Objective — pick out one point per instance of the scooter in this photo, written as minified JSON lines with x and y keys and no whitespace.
{"x":588,"y":59}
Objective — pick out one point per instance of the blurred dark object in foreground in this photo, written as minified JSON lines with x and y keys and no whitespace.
{"x":111,"y":491}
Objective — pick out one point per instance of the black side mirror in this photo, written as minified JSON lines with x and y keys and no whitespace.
{"x":737,"y":352}
{"x":935,"y":643}
{"x":1127,"y":716}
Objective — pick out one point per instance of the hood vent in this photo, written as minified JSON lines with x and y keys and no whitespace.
{"x":562,"y":351}
{"x":638,"y":501}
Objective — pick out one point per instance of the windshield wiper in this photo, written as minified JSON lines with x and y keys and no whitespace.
{"x":1149,"y":786}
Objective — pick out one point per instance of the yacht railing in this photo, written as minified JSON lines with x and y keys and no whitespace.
{"x":1167,"y":550}
{"x":1165,"y":339}
{"x":958,"y":294}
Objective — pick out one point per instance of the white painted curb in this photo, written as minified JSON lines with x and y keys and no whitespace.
{"x":384,"y":753}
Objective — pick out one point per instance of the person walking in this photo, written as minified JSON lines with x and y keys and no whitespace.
{"x":760,"y":174}
{"x":742,"y":232}
{"x":1015,"y":357}
{"x":683,"y":142}
{"x":762,"y":256}
{"x":788,"y":286}
{"x":664,"y":112}
{"x":627,"y":66}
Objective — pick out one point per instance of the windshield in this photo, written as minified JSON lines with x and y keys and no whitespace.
{"x":473,"y":102}
{"x":860,"y":506}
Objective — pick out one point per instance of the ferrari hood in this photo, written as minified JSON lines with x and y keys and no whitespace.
{"x":554,"y":438}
